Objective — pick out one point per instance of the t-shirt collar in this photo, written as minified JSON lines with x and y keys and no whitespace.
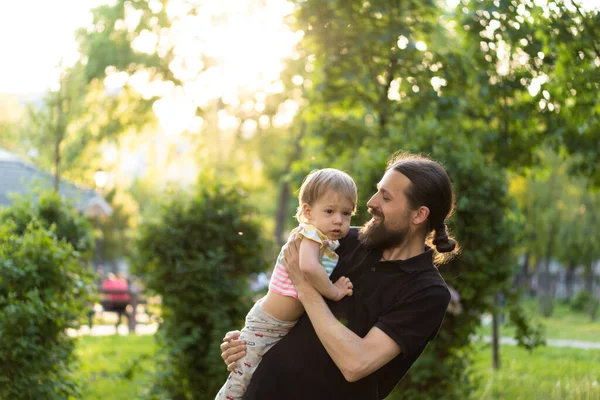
{"x":420,"y":262}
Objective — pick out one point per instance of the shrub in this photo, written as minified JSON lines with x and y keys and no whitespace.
{"x":197,"y":252}
{"x":43,"y":291}
{"x":49,"y":209}
{"x":584,"y":301}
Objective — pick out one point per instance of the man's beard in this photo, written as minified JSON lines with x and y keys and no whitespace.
{"x":375,"y":235}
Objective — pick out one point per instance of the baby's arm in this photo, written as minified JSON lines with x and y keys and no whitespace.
{"x":310,"y":265}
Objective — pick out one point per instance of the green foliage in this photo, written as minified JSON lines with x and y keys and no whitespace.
{"x":197,"y":252}
{"x":43,"y":291}
{"x":583,"y":301}
{"x":117,"y":228}
{"x":47,"y":208}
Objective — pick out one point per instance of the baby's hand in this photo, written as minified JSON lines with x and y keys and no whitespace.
{"x":344,"y":288}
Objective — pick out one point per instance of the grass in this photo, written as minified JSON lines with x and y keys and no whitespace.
{"x":564,"y":324}
{"x":549,"y":373}
{"x":120,"y":368}
{"x":115,"y":367}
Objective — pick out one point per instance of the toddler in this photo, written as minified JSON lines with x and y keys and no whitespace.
{"x":327,"y":200}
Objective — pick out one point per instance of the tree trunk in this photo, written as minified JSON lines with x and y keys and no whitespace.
{"x":546,"y":298}
{"x":569,"y":281}
{"x":546,"y":288}
{"x":589,"y":278}
{"x":59,"y":133}
{"x":495,"y":335}
{"x":57,"y":165}
{"x":284,"y":196}
{"x":523,"y":279}
{"x":284,"y":188}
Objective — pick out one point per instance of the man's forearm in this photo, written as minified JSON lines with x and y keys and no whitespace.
{"x":342,"y":345}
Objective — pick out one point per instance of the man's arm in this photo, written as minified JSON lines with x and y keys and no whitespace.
{"x":356,"y":357}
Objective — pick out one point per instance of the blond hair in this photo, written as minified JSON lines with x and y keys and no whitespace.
{"x":319,"y":182}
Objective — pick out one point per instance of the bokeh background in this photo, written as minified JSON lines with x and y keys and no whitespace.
{"x":151,"y":153}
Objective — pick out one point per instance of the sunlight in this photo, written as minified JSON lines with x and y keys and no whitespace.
{"x":224,"y":54}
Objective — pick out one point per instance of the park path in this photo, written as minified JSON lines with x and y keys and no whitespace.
{"x":578,"y":344}
{"x":150,"y":329}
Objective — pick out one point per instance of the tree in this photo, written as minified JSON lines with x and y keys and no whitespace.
{"x":538,"y":65}
{"x":197,"y":251}
{"x":50,"y":123}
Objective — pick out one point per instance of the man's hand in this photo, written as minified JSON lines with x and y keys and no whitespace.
{"x":344,"y":287}
{"x":232,"y":349}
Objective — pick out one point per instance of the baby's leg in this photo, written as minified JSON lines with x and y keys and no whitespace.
{"x":261,"y":333}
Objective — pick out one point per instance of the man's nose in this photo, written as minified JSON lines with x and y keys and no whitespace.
{"x":372,"y":203}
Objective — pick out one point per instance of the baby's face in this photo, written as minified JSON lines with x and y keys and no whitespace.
{"x":331,"y":215}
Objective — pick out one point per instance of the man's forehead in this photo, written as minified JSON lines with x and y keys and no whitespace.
{"x":393,"y":181}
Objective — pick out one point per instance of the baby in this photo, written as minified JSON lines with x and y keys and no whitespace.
{"x":327,"y":201}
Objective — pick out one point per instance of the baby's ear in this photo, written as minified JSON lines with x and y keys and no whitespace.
{"x":305,"y":211}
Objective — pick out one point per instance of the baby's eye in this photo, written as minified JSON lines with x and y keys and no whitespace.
{"x":329,"y":211}
{"x":347,"y":214}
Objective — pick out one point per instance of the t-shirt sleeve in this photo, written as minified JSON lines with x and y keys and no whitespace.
{"x":312,"y":233}
{"x":411,"y":322}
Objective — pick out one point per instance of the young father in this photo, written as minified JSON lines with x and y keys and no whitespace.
{"x":360,"y":347}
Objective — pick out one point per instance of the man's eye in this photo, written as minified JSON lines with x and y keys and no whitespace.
{"x":386,"y":198}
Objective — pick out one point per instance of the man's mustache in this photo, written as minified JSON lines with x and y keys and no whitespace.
{"x":376,"y":213}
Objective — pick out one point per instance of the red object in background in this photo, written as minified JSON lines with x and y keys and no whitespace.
{"x":120,"y":284}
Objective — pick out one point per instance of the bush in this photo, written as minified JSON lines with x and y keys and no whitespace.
{"x":43,"y":291}
{"x":50,"y":210}
{"x":197,"y":252}
{"x":584,"y":301}
{"x":581,"y":301}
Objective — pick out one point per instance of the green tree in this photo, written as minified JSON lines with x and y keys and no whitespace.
{"x":49,"y":124}
{"x":197,"y":252}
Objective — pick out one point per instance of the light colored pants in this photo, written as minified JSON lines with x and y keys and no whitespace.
{"x":261,"y":333}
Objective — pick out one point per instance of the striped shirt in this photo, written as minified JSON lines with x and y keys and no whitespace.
{"x":280,"y":281}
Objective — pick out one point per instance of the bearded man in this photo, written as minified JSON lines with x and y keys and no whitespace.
{"x":362,"y":346}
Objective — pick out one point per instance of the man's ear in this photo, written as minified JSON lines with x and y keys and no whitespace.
{"x":420,"y":216}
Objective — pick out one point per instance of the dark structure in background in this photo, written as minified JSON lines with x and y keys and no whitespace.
{"x":20,"y":177}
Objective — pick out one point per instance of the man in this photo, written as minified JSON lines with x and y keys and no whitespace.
{"x":360,"y":347}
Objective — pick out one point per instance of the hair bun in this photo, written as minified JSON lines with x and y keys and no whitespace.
{"x":441,"y":241}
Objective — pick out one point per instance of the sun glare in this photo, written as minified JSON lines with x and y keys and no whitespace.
{"x":228,"y":50}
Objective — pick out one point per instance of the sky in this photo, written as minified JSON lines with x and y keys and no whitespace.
{"x":37,"y":34}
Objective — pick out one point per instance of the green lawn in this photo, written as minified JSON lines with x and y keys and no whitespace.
{"x":564,"y":324}
{"x":115,"y":367}
{"x":118,"y":367}
{"x":549,"y":373}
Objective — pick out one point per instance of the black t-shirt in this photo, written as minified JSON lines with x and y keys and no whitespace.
{"x":405,"y":299}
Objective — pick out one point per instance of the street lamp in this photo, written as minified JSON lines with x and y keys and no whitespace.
{"x":101,"y":178}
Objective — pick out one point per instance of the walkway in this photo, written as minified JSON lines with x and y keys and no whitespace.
{"x":578,"y":344}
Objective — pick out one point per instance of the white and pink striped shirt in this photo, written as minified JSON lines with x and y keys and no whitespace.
{"x":280,"y":281}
